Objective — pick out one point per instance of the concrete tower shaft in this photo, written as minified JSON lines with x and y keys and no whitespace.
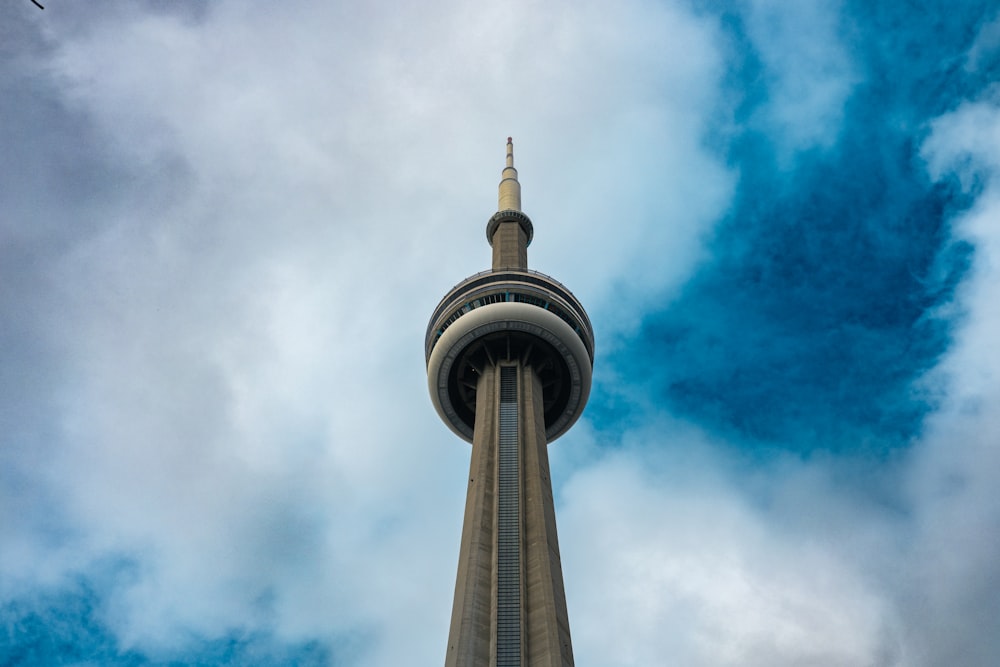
{"x":509,"y":358}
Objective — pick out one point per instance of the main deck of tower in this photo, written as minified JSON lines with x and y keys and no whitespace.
{"x":506,"y":314}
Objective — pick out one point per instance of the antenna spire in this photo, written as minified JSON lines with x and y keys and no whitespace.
{"x":510,"y":189}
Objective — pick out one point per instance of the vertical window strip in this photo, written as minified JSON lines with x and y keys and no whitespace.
{"x":508,"y":526}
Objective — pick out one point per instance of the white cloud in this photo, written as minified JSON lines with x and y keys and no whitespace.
{"x":666,"y":557}
{"x":242,"y":407}
{"x":243,"y":411}
{"x":953,"y":599}
{"x":807,"y":65}
{"x":673,"y":548}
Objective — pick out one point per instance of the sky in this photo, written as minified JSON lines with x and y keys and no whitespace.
{"x":223,"y":226}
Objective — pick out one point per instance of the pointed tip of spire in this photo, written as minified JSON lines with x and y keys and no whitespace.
{"x":510,"y":189}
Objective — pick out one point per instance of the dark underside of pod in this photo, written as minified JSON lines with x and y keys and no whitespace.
{"x":547,"y":363}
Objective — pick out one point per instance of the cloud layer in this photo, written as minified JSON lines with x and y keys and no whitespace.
{"x":224,"y":226}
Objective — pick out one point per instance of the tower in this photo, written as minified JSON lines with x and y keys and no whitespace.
{"x":509,"y":358}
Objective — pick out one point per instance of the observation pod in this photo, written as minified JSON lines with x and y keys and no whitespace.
{"x":509,"y":355}
{"x":508,"y":314}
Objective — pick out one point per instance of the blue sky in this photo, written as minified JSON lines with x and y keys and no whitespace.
{"x":224,"y":225}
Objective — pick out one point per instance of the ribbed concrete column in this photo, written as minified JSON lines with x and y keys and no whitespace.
{"x":474,"y":607}
{"x":547,"y":621}
{"x":545,"y":639}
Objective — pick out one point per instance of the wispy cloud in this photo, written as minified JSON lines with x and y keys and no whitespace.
{"x":224,"y":226}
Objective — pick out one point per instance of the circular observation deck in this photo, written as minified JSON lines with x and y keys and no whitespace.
{"x":509,"y":314}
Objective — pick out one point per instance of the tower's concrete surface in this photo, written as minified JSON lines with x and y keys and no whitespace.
{"x":509,"y":359}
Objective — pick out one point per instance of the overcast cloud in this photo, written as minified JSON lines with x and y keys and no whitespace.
{"x":224,"y":225}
